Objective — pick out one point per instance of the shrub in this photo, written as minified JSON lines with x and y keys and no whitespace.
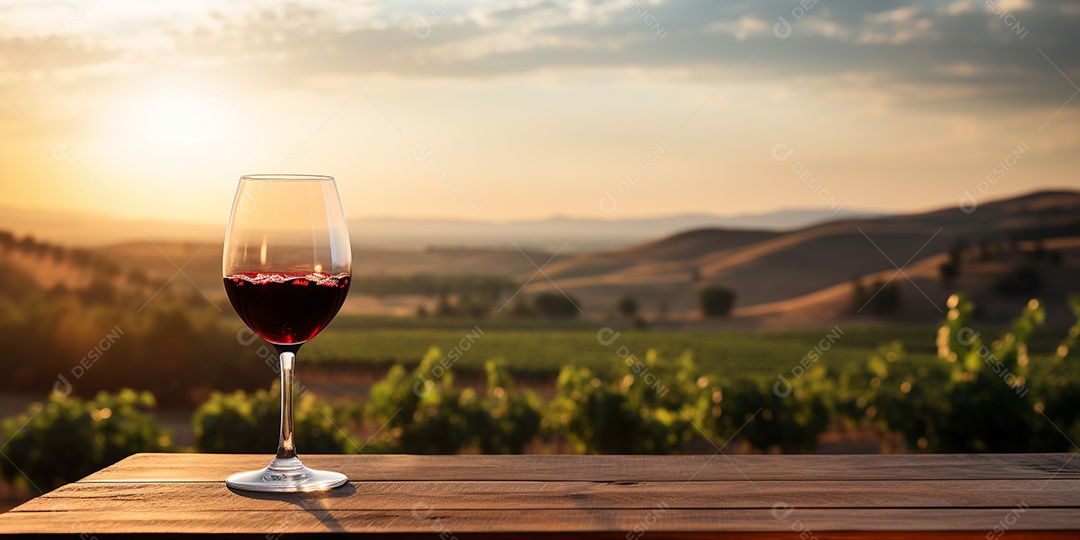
{"x":627,"y":306}
{"x":770,"y":416}
{"x":1023,"y":280}
{"x":949,"y":271}
{"x":179,"y":354}
{"x":556,"y":305}
{"x":980,"y":397}
{"x":420,"y":412}
{"x":249,"y":423}
{"x":423,"y":413}
{"x":716,"y":301}
{"x":648,"y":411}
{"x":504,"y":421}
{"x":67,"y":438}
{"x":881,"y":298}
{"x":1069,"y":343}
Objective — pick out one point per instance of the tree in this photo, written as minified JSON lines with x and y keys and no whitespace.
{"x":716,"y":301}
{"x":1023,"y":280}
{"x":627,"y":306}
{"x":521,"y":309}
{"x":858,"y":293}
{"x":887,"y":299}
{"x":880,"y":298}
{"x":1039,"y":252}
{"x":443,"y":308}
{"x":1057,"y":258}
{"x":949,"y":271}
{"x":556,"y":305}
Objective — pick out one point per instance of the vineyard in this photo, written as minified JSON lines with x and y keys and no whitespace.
{"x":976,"y":393}
{"x":543,"y":351}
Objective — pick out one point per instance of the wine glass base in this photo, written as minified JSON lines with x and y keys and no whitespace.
{"x":295,"y":478}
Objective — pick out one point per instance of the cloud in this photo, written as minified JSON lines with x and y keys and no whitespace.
{"x":964,"y":48}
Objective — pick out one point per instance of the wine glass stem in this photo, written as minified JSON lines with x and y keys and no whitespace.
{"x":286,"y":453}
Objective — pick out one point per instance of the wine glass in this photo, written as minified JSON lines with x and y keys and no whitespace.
{"x":286,"y":266}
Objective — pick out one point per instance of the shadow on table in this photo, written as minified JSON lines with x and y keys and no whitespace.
{"x":312,"y":503}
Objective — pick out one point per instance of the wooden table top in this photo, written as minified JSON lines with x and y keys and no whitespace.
{"x":793,"y":496}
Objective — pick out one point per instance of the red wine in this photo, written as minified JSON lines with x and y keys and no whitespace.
{"x":287,"y":308}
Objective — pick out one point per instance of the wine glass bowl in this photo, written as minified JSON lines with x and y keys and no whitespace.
{"x":286,"y":268}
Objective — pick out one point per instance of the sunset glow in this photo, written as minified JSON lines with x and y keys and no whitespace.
{"x":531,"y":109}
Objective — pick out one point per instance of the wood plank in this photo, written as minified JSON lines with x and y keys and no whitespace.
{"x":820,"y":523}
{"x":955,"y":496}
{"x":528,"y":495}
{"x":215,"y":467}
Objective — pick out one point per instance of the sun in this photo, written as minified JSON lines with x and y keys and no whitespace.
{"x":178,"y":121}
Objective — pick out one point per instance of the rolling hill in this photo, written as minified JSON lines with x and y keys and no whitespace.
{"x":792,"y":278}
{"x":772,"y":268}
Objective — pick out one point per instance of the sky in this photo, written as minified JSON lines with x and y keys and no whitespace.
{"x":504,"y":110}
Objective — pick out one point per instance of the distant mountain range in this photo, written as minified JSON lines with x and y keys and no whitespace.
{"x":86,"y":229}
{"x":576,"y":234}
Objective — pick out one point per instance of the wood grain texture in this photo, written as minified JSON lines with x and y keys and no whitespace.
{"x":819,"y":522}
{"x":683,"y":497}
{"x":359,"y":468}
{"x":481,"y":495}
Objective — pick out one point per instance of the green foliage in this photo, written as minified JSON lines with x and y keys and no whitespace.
{"x":777,"y":416}
{"x":716,"y":301}
{"x":67,"y":438}
{"x":979,"y":393}
{"x":663,"y":407}
{"x":880,"y":298}
{"x":893,"y":392}
{"x":627,"y":306}
{"x":1023,"y":280}
{"x":250,"y":423}
{"x":949,"y":271}
{"x":503,"y":421}
{"x":1069,"y":343}
{"x":475,"y":306}
{"x":641,"y":413}
{"x":978,"y":399}
{"x":556,"y":305}
{"x":173,"y":351}
{"x":521,"y":309}
{"x":542,"y":347}
{"x":422,"y":412}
